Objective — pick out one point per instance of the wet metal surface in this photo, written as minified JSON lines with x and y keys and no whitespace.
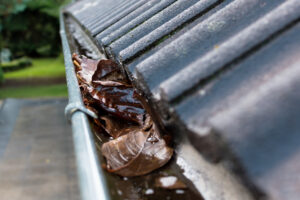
{"x":90,"y":174}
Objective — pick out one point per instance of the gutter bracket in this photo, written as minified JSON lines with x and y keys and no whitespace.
{"x":71,"y":108}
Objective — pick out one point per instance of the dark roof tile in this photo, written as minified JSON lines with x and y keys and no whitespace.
{"x":220,"y":67}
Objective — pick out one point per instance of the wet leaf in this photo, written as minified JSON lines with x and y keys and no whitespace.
{"x":134,"y":155}
{"x":115,"y":127}
{"x":85,"y":68}
{"x":107,"y":70}
{"x":136,"y":147}
{"x":119,"y":100}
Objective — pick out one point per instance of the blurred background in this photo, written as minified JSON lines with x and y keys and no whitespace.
{"x":36,"y":147}
{"x":31,"y":62}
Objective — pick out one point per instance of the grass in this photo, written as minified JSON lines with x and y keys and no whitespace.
{"x":41,"y":68}
{"x":17,"y":62}
{"x":59,"y":90}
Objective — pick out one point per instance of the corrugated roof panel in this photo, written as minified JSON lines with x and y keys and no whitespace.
{"x":88,"y":8}
{"x":102,"y":25}
{"x":133,"y":19}
{"x":105,"y":38}
{"x":247,"y":76}
{"x":110,"y":11}
{"x":87,"y":12}
{"x":225,"y":72}
{"x":76,"y":7}
{"x":148,"y":40}
{"x":148,"y":26}
{"x":130,"y":65}
{"x":202,"y":38}
{"x":231,"y":49}
{"x":84,"y":8}
{"x":132,"y":15}
{"x":255,"y":107}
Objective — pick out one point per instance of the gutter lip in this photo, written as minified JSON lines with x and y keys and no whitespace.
{"x":90,"y":174}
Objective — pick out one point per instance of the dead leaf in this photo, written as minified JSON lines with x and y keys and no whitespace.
{"x":85,"y":68}
{"x":137,"y":147}
{"x":120,"y":101}
{"x":108,"y":70}
{"x":115,"y":127}
{"x":133,"y":155}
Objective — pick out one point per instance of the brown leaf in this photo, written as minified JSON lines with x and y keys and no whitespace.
{"x":107,"y":70}
{"x":115,"y":127}
{"x":137,"y":147}
{"x":85,"y":68}
{"x":134,"y":154}
{"x":120,"y":101}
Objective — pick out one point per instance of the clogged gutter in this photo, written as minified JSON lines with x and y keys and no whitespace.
{"x":136,"y":146}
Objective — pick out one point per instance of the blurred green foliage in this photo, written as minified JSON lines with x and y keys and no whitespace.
{"x":58,"y":90}
{"x":16,"y":64}
{"x":1,"y":75}
{"x":30,"y":27}
{"x":41,"y":68}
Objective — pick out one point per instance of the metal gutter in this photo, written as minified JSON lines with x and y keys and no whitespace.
{"x":204,"y":176}
{"x":222,"y":73}
{"x":92,"y":183}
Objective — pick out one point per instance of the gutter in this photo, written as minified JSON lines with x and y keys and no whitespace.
{"x":91,"y":177}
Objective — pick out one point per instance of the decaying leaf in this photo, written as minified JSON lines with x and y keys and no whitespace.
{"x":107,"y":70}
{"x":115,"y":127}
{"x":120,"y":101}
{"x":134,"y":154}
{"x":137,"y":147}
{"x":85,"y":68}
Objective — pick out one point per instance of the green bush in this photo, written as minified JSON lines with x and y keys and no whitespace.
{"x":30,"y":27}
{"x":1,"y":75}
{"x":25,"y":62}
{"x":16,"y":64}
{"x":29,"y":32}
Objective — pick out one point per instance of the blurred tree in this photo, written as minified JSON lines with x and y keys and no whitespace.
{"x":49,"y":7}
{"x":30,"y":27}
{"x":1,"y":75}
{"x":8,"y":7}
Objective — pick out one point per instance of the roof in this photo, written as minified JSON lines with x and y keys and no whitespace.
{"x":224,"y":72}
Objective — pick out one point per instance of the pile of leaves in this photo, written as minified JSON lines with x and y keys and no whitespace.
{"x":136,"y":146}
